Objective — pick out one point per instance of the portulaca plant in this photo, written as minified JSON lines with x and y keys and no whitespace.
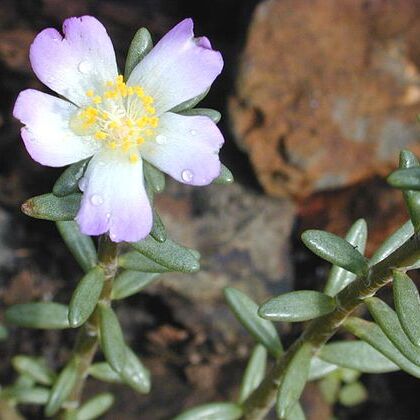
{"x":120,"y":133}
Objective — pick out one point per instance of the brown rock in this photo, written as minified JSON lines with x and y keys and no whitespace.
{"x":327,"y":92}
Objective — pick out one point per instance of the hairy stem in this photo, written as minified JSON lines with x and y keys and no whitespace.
{"x":318,"y":332}
{"x":87,"y":339}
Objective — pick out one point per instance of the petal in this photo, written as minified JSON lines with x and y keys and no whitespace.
{"x":178,"y":68}
{"x":47,"y":135}
{"x":114,"y":199}
{"x":186,"y":148}
{"x":84,"y":59}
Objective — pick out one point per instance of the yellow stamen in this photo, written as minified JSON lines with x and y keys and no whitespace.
{"x":133,"y":158}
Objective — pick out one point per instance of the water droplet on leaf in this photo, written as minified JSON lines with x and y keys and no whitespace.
{"x":187,"y":175}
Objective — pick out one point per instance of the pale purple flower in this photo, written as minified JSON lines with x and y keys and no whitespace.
{"x":119,"y":124}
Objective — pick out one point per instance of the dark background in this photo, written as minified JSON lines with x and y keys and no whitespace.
{"x":317,"y":98}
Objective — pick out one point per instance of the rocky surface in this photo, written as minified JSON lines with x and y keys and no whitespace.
{"x":327,"y":92}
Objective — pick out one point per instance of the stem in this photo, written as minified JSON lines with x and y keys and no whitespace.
{"x":87,"y":339}
{"x":318,"y":331}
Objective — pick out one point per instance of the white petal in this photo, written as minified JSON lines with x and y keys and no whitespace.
{"x":114,"y":198}
{"x":47,"y":135}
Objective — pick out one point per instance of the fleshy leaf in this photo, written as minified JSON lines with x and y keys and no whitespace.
{"x":301,"y":305}
{"x":339,"y":278}
{"x":86,"y":296}
{"x":388,"y":321}
{"x":62,"y":388}
{"x":138,"y":262}
{"x":246,"y":311}
{"x":406,"y":179}
{"x":191,"y":103}
{"x":336,"y":250}
{"x":407,"y":305}
{"x":254,"y":372}
{"x":43,"y":315}
{"x":154,"y":178}
{"x":81,"y":246}
{"x":104,"y":372}
{"x":158,"y":231}
{"x":320,"y":368}
{"x":352,"y":394}
{"x":212,"y":411}
{"x":214,"y":115}
{"x":112,"y":340}
{"x":51,"y":207}
{"x":393,"y":242}
{"x":34,"y":368}
{"x":36,"y":395}
{"x":135,"y":374}
{"x":140,"y":45}
{"x":68,"y":182}
{"x":373,"y":335}
{"x":412,"y":198}
{"x":168,"y":254}
{"x":294,"y":380}
{"x":296,"y":413}
{"x":225,"y":177}
{"x":130,"y":282}
{"x":357,"y":355}
{"x":95,"y":407}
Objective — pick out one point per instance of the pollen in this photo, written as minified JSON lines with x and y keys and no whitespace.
{"x":121,"y":117}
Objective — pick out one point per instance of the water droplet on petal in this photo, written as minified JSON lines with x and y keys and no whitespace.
{"x":84,"y":67}
{"x":96,"y":199}
{"x":82,"y":183}
{"x":193,"y":132}
{"x":161,"y":139}
{"x":187,"y":175}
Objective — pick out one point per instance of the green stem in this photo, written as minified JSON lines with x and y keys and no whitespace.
{"x":87,"y":339}
{"x":318,"y":332}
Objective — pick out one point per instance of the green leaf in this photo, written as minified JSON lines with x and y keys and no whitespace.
{"x":37,"y":395}
{"x":51,"y":207}
{"x":320,"y":368}
{"x":407,"y":305}
{"x":352,"y":394}
{"x":4,"y":334}
{"x":43,"y":315}
{"x":35,"y":368}
{"x":158,"y":231}
{"x":339,"y":278}
{"x":62,"y":388}
{"x":214,"y":115}
{"x":349,"y":375}
{"x":154,"y":178}
{"x":412,"y":198}
{"x":190,"y":103}
{"x":135,"y":374}
{"x":86,"y":296}
{"x":393,"y":242}
{"x":138,"y":262}
{"x":254,"y":372}
{"x":388,"y":320}
{"x":330,"y":387}
{"x":104,"y":372}
{"x":246,"y":311}
{"x":405,"y":179}
{"x":357,"y":355}
{"x":294,"y":380}
{"x":225,"y":177}
{"x":81,"y":246}
{"x":373,"y":335}
{"x":297,"y":306}
{"x":168,"y":254}
{"x":140,"y":45}
{"x":112,"y":340}
{"x":130,"y":282}
{"x":95,"y":407}
{"x":212,"y":411}
{"x":336,"y":250}
{"x":68,"y":182}
{"x":296,"y":413}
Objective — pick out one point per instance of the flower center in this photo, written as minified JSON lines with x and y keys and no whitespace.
{"x":122,"y":118}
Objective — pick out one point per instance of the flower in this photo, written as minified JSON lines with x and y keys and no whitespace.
{"x":120,"y":123}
